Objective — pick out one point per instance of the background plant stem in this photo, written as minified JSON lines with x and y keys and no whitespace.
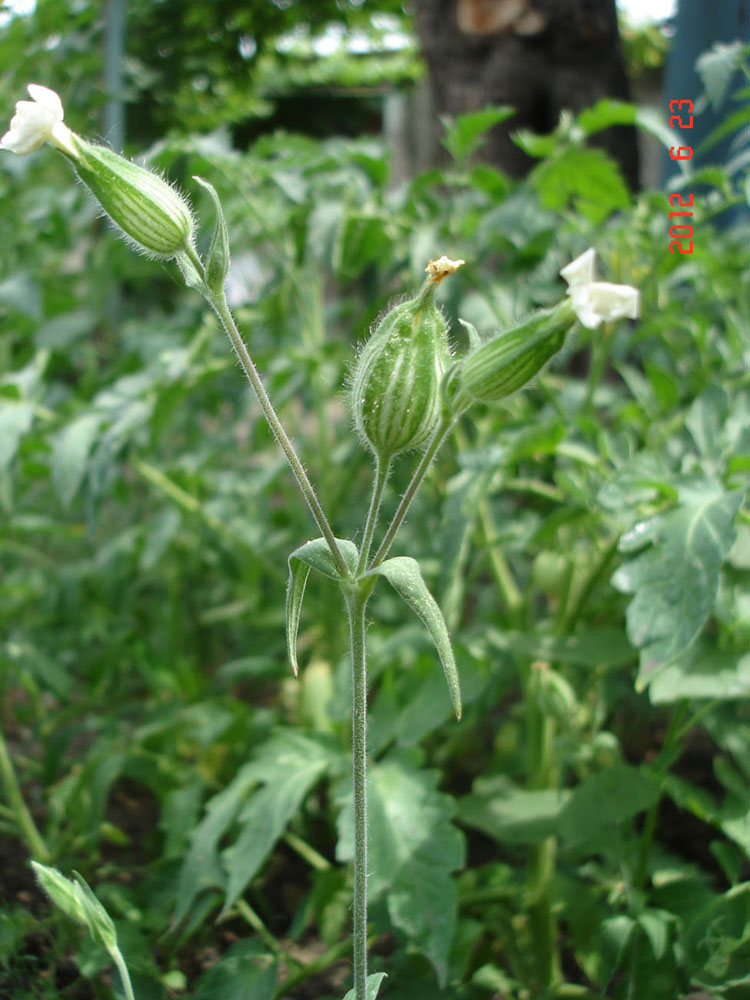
{"x":18,"y":807}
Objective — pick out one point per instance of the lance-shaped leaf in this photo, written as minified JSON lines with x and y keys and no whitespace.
{"x":404,"y":575}
{"x":311,"y":555}
{"x":217,"y":262}
{"x":372,"y":987}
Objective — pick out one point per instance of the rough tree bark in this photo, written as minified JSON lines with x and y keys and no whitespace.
{"x":540,"y":56}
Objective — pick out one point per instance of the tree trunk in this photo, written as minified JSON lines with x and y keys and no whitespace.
{"x":540,"y":56}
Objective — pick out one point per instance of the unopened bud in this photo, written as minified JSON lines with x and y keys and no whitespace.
{"x":508,"y":361}
{"x":146,"y":208}
{"x":396,"y":384}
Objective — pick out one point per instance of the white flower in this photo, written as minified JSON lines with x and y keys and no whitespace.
{"x":595,"y":301}
{"x":38,"y":121}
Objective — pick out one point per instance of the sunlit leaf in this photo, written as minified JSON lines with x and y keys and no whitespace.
{"x":672,"y":571}
{"x":413,"y":848}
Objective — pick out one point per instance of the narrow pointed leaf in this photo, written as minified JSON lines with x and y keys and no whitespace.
{"x":404,"y":575}
{"x":311,"y":555}
{"x":295,"y":591}
{"x":217,"y":262}
{"x":373,"y":985}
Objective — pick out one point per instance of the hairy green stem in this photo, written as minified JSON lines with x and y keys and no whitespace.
{"x":124,"y":974}
{"x":420,"y":472}
{"x":18,"y":808}
{"x":356,"y":602}
{"x":382,"y":470}
{"x":218,"y":303}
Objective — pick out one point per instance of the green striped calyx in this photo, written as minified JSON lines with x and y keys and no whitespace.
{"x":155,"y":217}
{"x":506,"y":362}
{"x":396,"y":383}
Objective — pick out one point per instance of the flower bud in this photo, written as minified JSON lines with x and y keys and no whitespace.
{"x":148,"y":210}
{"x":396,"y":384}
{"x":506,"y":362}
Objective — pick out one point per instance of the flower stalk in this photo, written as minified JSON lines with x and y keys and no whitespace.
{"x":17,"y":805}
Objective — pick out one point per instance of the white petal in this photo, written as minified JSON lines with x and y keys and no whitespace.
{"x":615,"y":301}
{"x":48,"y":99}
{"x":601,"y":301}
{"x":584,"y":306}
{"x":38,"y":121}
{"x":581,"y":270}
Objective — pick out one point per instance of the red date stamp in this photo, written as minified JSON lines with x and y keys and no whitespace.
{"x":681,"y":116}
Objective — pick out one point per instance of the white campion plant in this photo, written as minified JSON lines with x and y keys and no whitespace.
{"x":407,"y":361}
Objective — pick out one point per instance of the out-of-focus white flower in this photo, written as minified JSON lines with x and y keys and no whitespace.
{"x":38,"y":121}
{"x":597,"y":301}
{"x":155,"y":217}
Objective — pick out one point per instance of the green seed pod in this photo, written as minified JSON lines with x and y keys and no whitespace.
{"x":554,"y":695}
{"x":148,"y":210}
{"x":395,"y":388}
{"x":508,"y":361}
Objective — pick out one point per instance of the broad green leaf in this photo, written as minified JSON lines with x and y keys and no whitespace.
{"x":716,"y":68}
{"x":201,"y":868}
{"x":16,"y":419}
{"x":655,"y":925}
{"x":311,"y":555}
{"x":606,"y":799}
{"x":245,"y":972}
{"x":22,"y":293}
{"x":639,"y":480}
{"x":464,"y":135}
{"x":586,"y":179}
{"x":534,"y":144}
{"x":703,"y":672}
{"x":413,"y":848}
{"x":70,"y":452}
{"x":674,"y":580}
{"x":404,"y":575}
{"x":608,"y":112}
{"x":373,"y":985}
{"x":510,"y":814}
{"x":718,"y":942}
{"x":288,"y":765}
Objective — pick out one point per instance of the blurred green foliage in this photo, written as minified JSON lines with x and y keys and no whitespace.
{"x":195,"y":66}
{"x":588,"y":540}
